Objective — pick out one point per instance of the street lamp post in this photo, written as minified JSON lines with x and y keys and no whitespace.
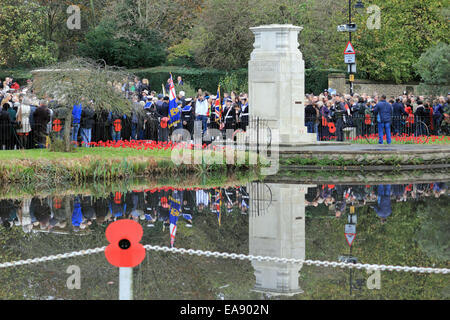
{"x":350,"y":37}
{"x":358,"y":5}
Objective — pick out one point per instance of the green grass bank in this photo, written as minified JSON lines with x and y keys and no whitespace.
{"x":47,"y":168}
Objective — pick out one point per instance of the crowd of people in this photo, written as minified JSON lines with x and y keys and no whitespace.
{"x":329,"y":115}
{"x":340,"y":197}
{"x":27,"y":122}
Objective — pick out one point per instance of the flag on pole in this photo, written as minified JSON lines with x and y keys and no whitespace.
{"x":218,"y":106}
{"x":174,"y":112}
{"x":163,"y":90}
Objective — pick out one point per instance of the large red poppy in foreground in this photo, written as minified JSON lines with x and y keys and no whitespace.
{"x":124,"y":250}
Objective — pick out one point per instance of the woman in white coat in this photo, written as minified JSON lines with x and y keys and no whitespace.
{"x":23,"y":121}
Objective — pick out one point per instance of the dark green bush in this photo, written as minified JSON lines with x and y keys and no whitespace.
{"x":103,"y":43}
{"x":206,"y":79}
{"x":316,"y":80}
{"x":20,"y":75}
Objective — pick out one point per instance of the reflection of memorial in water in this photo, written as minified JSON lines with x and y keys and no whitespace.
{"x":277,"y":229}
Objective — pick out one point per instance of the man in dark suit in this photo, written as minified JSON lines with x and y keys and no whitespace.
{"x":398,"y":111}
{"x":41,"y":120}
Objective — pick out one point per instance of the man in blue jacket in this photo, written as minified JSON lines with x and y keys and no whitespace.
{"x":76,"y":119}
{"x":383,"y":112}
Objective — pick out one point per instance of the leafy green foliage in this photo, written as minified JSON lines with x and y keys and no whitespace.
{"x":181,"y":54}
{"x":104,"y":43}
{"x":433,"y":237}
{"x":408,"y":29}
{"x":231,"y":82}
{"x":206,"y":79}
{"x":316,"y":80}
{"x":209,"y":79}
{"x":214,"y":34}
{"x":434,"y":68}
{"x":21,"y":43}
{"x":189,"y":91}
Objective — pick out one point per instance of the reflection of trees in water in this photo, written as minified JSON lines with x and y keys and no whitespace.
{"x":395,"y":243}
{"x":433,"y":236}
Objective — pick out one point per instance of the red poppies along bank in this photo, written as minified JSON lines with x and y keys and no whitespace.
{"x":150,"y":145}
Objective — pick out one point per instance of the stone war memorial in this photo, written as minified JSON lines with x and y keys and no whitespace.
{"x":276,"y":73}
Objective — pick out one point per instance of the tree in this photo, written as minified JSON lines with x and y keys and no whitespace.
{"x":222,"y":39}
{"x":53,"y":24}
{"x":21,"y":43}
{"x":138,"y":48}
{"x":434,"y":68}
{"x":78,"y":78}
{"x":172,"y":20}
{"x":408,"y":29}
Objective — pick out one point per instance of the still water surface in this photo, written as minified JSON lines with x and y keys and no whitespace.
{"x":405,"y":225}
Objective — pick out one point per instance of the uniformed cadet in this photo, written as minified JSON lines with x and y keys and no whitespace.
{"x":187,"y":116}
{"x":244,"y":113}
{"x":228,"y":115}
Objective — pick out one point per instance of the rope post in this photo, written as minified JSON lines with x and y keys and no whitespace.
{"x":125,"y":252}
{"x":125,"y":283}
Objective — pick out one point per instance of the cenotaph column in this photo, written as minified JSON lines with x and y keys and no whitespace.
{"x":276,"y":75}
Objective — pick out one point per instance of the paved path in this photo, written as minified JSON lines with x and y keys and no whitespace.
{"x":367,"y":148}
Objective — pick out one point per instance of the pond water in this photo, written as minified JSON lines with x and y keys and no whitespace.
{"x":394,"y":224}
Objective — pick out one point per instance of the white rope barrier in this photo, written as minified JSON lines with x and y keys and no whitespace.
{"x":234,"y":256}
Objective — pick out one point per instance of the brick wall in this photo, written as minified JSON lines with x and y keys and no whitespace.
{"x":339,"y":82}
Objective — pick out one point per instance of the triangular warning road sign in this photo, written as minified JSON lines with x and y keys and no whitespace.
{"x":350,"y":238}
{"x":349,"y":49}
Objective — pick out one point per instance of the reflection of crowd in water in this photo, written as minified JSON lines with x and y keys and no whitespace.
{"x":379,"y":197}
{"x":79,"y":213}
{"x":150,"y":206}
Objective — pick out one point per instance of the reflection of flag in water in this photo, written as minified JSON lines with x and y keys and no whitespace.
{"x":175,"y":211}
{"x":218,"y":204}
{"x":174,"y":112}
{"x":77,"y":216}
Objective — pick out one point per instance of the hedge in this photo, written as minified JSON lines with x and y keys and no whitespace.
{"x":206,"y":79}
{"x":19,"y":75}
{"x":316,"y":80}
